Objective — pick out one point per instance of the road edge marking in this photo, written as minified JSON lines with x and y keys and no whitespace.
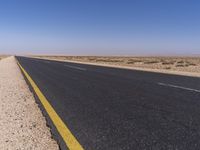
{"x":63,"y":130}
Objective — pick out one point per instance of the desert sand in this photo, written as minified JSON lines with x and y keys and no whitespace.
{"x":3,"y":56}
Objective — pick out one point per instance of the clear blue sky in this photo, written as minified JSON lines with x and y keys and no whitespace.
{"x":100,"y":27}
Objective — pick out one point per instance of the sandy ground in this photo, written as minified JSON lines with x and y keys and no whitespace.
{"x":3,"y":56}
{"x":21,"y":122}
{"x":188,"y":66}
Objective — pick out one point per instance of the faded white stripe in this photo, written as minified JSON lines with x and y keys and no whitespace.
{"x":179,"y":87}
{"x":74,"y":67}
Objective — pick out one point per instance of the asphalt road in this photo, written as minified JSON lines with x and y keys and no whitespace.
{"x":118,"y":109}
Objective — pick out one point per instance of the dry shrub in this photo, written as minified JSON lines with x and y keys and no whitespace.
{"x":180,"y":65}
{"x":180,"y":62}
{"x":168,"y":63}
{"x":168,"y":68}
{"x":133,"y":61}
{"x":151,"y":62}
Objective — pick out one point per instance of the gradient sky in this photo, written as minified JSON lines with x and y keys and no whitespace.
{"x":100,"y":27}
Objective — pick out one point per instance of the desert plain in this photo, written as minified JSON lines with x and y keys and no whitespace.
{"x":3,"y":56}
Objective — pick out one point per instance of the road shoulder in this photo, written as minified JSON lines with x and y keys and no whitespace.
{"x":22,"y":123}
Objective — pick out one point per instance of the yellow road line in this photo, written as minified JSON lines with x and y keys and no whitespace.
{"x":66,"y":134}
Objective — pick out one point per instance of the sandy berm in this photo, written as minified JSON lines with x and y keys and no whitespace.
{"x":22,"y":124}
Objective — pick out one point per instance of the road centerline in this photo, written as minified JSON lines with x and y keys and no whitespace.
{"x":74,"y":67}
{"x":179,"y":87}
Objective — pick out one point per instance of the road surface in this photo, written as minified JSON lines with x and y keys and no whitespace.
{"x":118,"y":109}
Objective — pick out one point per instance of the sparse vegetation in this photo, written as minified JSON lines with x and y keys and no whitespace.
{"x":108,"y":60}
{"x":168,"y":68}
{"x":180,"y":65}
{"x":180,"y":62}
{"x":191,"y":64}
{"x":151,"y":62}
{"x":168,"y":63}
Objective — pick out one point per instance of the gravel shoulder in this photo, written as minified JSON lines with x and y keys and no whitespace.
{"x":22,"y":124}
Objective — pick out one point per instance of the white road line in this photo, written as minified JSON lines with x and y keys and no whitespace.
{"x":74,"y":67}
{"x":179,"y":87}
